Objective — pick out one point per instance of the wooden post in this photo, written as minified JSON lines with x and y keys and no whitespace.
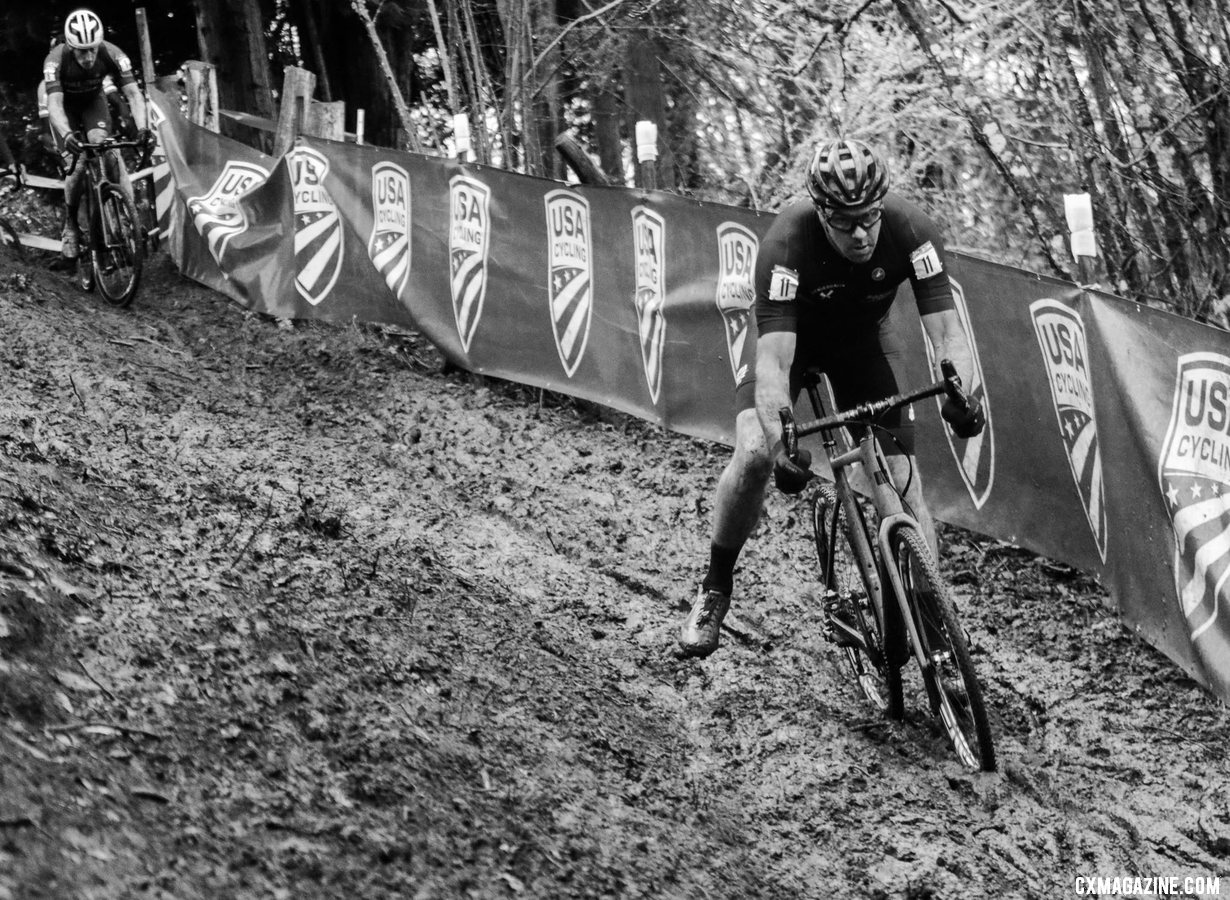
{"x":327,"y":120}
{"x":147,"y":51}
{"x":647,"y":154}
{"x":201,"y":86}
{"x":297,"y":89}
{"x":1078,"y":209}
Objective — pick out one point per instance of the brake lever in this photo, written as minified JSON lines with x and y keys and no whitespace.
{"x":952,"y":383}
{"x":790,"y":433}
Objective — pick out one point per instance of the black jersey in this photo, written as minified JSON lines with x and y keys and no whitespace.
{"x":804,"y":285}
{"x":62,"y":72}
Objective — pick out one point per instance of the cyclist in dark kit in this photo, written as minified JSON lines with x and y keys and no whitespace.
{"x":826,"y":277}
{"x":77,"y":107}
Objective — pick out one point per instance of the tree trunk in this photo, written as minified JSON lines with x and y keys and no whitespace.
{"x":644,"y":99}
{"x":232,"y":38}
{"x":606,"y":132}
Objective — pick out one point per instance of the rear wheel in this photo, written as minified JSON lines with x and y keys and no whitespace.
{"x":958,"y":692}
{"x":119,"y":255}
{"x":849,"y":606}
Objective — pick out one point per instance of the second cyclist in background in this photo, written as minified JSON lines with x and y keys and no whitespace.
{"x":77,"y":107}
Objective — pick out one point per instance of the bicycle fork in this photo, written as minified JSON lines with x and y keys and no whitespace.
{"x":925,"y":662}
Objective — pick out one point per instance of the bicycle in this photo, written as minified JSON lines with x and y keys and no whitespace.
{"x":114,"y":243}
{"x":884,"y":597}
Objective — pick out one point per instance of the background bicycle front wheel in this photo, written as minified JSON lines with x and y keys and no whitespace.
{"x":849,"y":604}
{"x":120,"y":254}
{"x":957,"y":689}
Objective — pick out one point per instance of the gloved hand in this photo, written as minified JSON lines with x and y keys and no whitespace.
{"x":791,"y":476}
{"x":72,"y":142}
{"x":966,"y":421}
{"x":147,"y":139}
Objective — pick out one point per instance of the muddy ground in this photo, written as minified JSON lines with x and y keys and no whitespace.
{"x":288,"y":611}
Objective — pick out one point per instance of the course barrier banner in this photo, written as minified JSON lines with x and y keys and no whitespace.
{"x":1108,"y":436}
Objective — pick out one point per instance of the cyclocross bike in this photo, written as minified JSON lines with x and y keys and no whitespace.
{"x":113,"y":250}
{"x":884,"y":597}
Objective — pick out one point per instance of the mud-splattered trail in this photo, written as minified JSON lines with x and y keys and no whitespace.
{"x":285,"y":611}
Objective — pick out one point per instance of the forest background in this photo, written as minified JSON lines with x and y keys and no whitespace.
{"x":989,"y":111}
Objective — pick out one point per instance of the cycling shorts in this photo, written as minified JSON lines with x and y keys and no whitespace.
{"x":86,"y":114}
{"x":861,"y":367}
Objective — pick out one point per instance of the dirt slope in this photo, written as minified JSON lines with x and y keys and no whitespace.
{"x":285,"y":612}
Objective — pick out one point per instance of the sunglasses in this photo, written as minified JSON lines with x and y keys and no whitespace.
{"x":847,"y":223}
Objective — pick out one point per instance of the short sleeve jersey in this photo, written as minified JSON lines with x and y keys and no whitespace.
{"x":62,"y":72}
{"x":804,"y":285}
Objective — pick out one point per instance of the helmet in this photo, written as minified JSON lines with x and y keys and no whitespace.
{"x":845,"y":174}
{"x":83,"y":30}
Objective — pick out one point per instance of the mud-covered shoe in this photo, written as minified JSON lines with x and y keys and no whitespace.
{"x":70,"y":242}
{"x":698,"y":636}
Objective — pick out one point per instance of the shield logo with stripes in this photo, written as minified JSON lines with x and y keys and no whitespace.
{"x":649,"y":242}
{"x":975,"y":457}
{"x":217,"y":214}
{"x":570,"y":276}
{"x":469,"y":245}
{"x":318,"y":227}
{"x":1061,"y":338}
{"x":737,"y":248}
{"x":1194,"y":477}
{"x":163,"y":187}
{"x":388,"y":246}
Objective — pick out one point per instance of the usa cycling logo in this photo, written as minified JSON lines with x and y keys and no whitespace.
{"x":217,"y":215}
{"x":975,"y":457}
{"x":164,"y":188}
{"x":388,"y":246}
{"x":570,"y":256}
{"x":649,"y":243}
{"x":737,"y":248}
{"x":469,"y":245}
{"x":318,"y":227}
{"x":1061,"y":338}
{"x":1194,"y":477}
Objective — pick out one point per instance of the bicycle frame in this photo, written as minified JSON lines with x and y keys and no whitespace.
{"x":866,"y":454}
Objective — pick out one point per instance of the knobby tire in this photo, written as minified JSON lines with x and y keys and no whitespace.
{"x":961,"y":706}
{"x":878,"y":678}
{"x":119,"y":256}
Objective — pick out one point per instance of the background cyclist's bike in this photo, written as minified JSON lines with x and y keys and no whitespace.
{"x":113,"y":246}
{"x":884,"y":597}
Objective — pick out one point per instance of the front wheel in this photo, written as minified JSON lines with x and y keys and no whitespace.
{"x":957,"y":695}
{"x":120,"y":252}
{"x":849,"y":603}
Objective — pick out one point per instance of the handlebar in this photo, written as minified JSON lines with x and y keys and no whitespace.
{"x":792,"y":431}
{"x":100,"y":147}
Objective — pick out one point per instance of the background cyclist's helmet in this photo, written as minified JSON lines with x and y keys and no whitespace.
{"x":846,"y":174}
{"x":83,"y":30}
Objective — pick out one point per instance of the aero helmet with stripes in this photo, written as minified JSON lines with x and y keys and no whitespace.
{"x":83,"y":30}
{"x":844,"y":174}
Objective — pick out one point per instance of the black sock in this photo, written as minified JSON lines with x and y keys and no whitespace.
{"x":721,"y":574}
